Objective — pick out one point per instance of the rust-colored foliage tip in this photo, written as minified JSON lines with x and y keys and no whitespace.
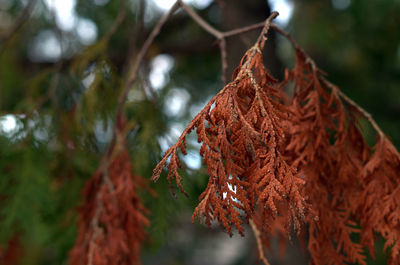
{"x":112,"y":219}
{"x":288,"y":161}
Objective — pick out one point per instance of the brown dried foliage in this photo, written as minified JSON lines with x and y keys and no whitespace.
{"x":112,"y":219}
{"x":242,"y":130}
{"x":327,"y":146}
{"x":352,"y":189}
{"x":302,"y":162}
{"x":11,"y":255}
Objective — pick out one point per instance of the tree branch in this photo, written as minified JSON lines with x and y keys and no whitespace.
{"x":221,"y":36}
{"x":263,"y":36}
{"x":118,"y":21}
{"x":201,"y":22}
{"x":257,"y":235}
{"x":132,"y":74}
{"x":224,"y":60}
{"x":243,"y":30}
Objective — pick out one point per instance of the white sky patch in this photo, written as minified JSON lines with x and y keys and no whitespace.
{"x":170,"y":138}
{"x":193,"y":160}
{"x":102,"y":132}
{"x":285,"y":9}
{"x":341,"y":4}
{"x":160,"y":67}
{"x":201,"y":4}
{"x":88,"y":80}
{"x":175,"y":130}
{"x":8,"y":123}
{"x":11,"y":126}
{"x":163,"y":144}
{"x":64,"y":11}
{"x":46,"y":47}
{"x":86,"y":31}
{"x":176,"y":102}
{"x":167,"y":4}
{"x":196,"y":108}
{"x":42,"y":129}
{"x":232,"y":188}
{"x":164,"y":4}
{"x":68,"y":20}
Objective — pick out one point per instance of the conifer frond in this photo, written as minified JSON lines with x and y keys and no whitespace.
{"x":112,"y":218}
{"x":242,"y":131}
{"x":380,"y":199}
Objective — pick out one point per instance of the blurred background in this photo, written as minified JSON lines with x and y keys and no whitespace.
{"x":62,"y":65}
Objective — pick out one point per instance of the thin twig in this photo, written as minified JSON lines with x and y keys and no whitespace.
{"x":147,"y":88}
{"x":118,"y":21}
{"x":287,"y":36}
{"x":263,"y":36}
{"x":231,"y":20}
{"x":257,"y":235}
{"x":202,"y":23}
{"x":221,"y":36}
{"x":136,"y":34}
{"x":257,"y":47}
{"x":132,"y":75}
{"x":238,"y":31}
{"x":224,"y":60}
{"x":213,"y":31}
